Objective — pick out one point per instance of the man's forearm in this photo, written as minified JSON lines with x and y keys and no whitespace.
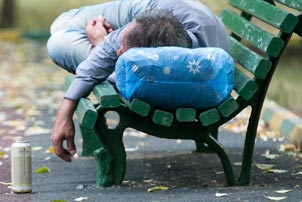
{"x":67,"y":108}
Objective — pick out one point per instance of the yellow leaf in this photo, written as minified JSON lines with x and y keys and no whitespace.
{"x":272,"y":198}
{"x":264,"y":166}
{"x":158,"y":188}
{"x":2,"y":153}
{"x":283,"y":191}
{"x":42,"y":169}
{"x":51,"y":150}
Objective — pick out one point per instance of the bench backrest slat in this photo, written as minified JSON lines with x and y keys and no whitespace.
{"x":297,"y":4}
{"x":247,"y":58}
{"x":281,"y":19}
{"x":244,"y":86}
{"x":258,"y":37}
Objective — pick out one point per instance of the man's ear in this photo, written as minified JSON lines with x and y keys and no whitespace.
{"x":119,"y":52}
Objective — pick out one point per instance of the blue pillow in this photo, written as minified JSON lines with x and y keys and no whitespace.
{"x":174,"y":77}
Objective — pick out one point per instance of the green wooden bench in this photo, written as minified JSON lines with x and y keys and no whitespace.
{"x":259,"y":33}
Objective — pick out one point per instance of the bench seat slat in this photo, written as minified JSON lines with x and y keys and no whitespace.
{"x":185,"y":114}
{"x":250,"y":60}
{"x":244,"y":86}
{"x":140,"y":107}
{"x":209,"y":117}
{"x":261,"y":39}
{"x":162,"y":118}
{"x":228,"y":107}
{"x":106,"y":95}
{"x":281,"y":19}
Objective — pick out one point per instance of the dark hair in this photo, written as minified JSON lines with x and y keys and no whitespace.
{"x":156,"y":27}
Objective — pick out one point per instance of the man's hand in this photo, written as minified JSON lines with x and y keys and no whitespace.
{"x":97,"y":29}
{"x":64,"y":130}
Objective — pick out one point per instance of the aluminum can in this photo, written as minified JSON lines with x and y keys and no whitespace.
{"x":21,"y":167}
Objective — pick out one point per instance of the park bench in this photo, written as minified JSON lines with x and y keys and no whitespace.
{"x":259,"y":32}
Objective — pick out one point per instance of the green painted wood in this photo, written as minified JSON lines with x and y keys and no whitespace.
{"x":185,"y":114}
{"x":106,"y":95}
{"x":298,"y":29}
{"x":296,"y":4}
{"x":90,"y":141}
{"x":68,"y":80}
{"x":163,"y":118}
{"x":140,"y":107}
{"x":281,"y":19}
{"x":228,"y":107}
{"x":245,"y":87}
{"x":209,"y":117}
{"x":250,"y":60}
{"x":259,"y":38}
{"x":86,"y":113}
{"x":104,"y":160}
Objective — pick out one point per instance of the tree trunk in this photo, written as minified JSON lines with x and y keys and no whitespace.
{"x":8,"y":18}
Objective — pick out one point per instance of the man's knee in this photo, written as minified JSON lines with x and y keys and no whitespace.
{"x":59,"y":52}
{"x":54,"y":45}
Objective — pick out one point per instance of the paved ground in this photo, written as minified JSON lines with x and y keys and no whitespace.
{"x":154,"y":162}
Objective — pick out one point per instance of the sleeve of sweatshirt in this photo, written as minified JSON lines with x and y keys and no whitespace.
{"x":96,"y":68}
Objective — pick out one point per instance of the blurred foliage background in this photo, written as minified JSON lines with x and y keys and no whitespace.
{"x":35,"y":16}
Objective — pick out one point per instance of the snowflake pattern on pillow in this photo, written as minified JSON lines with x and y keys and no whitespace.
{"x":173,"y":77}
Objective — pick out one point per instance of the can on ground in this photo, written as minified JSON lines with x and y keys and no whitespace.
{"x":21,"y":167}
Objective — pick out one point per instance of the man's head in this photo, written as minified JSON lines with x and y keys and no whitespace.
{"x":154,"y":28}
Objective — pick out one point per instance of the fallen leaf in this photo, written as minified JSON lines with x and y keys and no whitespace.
{"x":37,"y":130}
{"x":238,"y":164}
{"x":131,"y":149}
{"x":268,"y":155}
{"x":80,"y":187}
{"x":36,"y":148}
{"x":81,"y":199}
{"x":299,"y":166}
{"x":42,"y":169}
{"x":287,"y":147}
{"x":50,"y":150}
{"x":272,"y":198}
{"x":299,"y":173}
{"x":2,"y":153}
{"x":264,"y":166}
{"x":148,"y":181}
{"x":278,"y":171}
{"x":6,"y":183}
{"x":221,"y":194}
{"x":47,"y":158}
{"x":158,"y":188}
{"x":283,"y":191}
